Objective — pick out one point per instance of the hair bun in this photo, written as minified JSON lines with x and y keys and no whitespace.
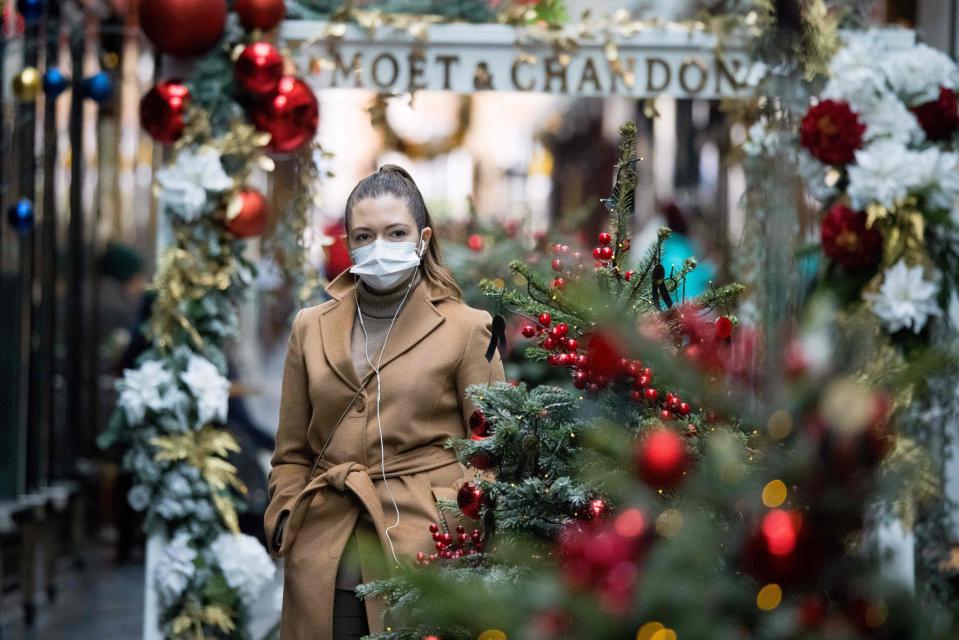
{"x":395,"y":168}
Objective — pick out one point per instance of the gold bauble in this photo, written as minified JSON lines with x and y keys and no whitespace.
{"x":26,"y":84}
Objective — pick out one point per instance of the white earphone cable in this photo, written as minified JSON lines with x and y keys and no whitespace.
{"x":379,"y":424}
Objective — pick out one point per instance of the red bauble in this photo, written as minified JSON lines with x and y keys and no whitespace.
{"x":939,"y":118}
{"x":475,"y":242}
{"x":259,"y":69}
{"x":557,"y":264}
{"x":662,"y":459}
{"x":580,"y":379}
{"x":846,"y":239}
{"x":478,"y":424}
{"x":290,"y":116}
{"x":260,"y":14}
{"x":183,"y":27}
{"x":470,"y":499}
{"x":559,"y":283}
{"x":832,"y":132}
{"x":162,"y":110}
{"x":528,"y":331}
{"x":628,"y":275}
{"x":545,"y":319}
{"x":606,"y":253}
{"x":724,"y":327}
{"x":251,"y":220}
{"x":651,"y":395}
{"x":481,"y":461}
{"x":572,"y":345}
{"x":605,"y":238}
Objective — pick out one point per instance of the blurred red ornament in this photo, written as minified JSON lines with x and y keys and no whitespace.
{"x":162,"y":110}
{"x":183,"y":27}
{"x":846,"y":239}
{"x":602,"y":556}
{"x":337,"y":253}
{"x":606,"y":253}
{"x":528,"y":331}
{"x":470,"y":499}
{"x":662,"y":459}
{"x":597,"y":509}
{"x":832,"y":132}
{"x":605,"y":238}
{"x":628,"y":275}
{"x":290,"y":116}
{"x":260,"y":14}
{"x":557,"y":264}
{"x":545,"y":319}
{"x":251,"y":219}
{"x":604,"y":355}
{"x":475,"y":242}
{"x":939,"y":118}
{"x":259,"y":68}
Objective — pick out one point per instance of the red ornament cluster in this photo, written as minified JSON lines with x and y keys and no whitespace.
{"x":847,"y":241}
{"x":939,"y":118}
{"x":260,"y":14}
{"x":832,"y":132}
{"x":602,"y":556}
{"x":447,"y":548}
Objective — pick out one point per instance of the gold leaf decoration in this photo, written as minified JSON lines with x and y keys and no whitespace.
{"x":206,"y":450}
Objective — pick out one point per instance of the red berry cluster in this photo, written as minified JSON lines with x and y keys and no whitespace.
{"x":447,"y":549}
{"x":604,"y":252}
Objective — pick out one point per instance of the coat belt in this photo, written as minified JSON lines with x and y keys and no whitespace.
{"x":359,"y":479}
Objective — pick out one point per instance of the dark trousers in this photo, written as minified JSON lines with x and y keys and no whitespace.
{"x":349,"y":616}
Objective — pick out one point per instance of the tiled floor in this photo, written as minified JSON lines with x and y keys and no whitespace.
{"x":105,"y":602}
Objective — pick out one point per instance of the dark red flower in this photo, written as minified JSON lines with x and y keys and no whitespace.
{"x":846,"y":239}
{"x":939,"y":118}
{"x":832,"y":132}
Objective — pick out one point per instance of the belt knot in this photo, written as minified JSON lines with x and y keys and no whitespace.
{"x":337,"y":474}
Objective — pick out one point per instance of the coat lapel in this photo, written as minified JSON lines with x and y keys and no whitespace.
{"x":418,"y":318}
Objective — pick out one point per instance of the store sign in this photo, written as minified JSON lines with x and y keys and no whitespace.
{"x":467,"y":58}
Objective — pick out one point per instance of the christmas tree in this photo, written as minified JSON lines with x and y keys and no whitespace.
{"x":534,"y":476}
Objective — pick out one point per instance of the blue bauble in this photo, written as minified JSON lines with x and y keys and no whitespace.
{"x":54,"y":82}
{"x":98,"y":87}
{"x":20,"y":216}
{"x":30,"y":9}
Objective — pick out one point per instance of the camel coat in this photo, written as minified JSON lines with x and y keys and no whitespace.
{"x":435,"y":350}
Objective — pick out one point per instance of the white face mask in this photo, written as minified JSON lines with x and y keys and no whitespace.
{"x":383,"y":264}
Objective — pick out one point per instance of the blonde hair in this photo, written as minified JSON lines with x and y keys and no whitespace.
{"x":395,"y":180}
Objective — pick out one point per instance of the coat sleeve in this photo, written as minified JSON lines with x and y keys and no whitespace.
{"x":475,"y":368}
{"x":292,"y":456}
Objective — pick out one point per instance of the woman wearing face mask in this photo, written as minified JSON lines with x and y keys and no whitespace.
{"x":373,"y":385}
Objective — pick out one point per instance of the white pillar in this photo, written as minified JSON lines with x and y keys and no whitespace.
{"x":151,"y":605}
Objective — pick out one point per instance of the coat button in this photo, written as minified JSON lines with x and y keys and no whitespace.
{"x":360,"y":404}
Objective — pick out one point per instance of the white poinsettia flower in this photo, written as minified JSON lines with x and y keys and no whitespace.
{"x":245,"y":564}
{"x":916,"y":73}
{"x":208,"y":387}
{"x":143,"y":388}
{"x":175,"y":568}
{"x":189,"y":182}
{"x":888,"y":117}
{"x":854,"y":71}
{"x":883,"y":173}
{"x":906,"y":300}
